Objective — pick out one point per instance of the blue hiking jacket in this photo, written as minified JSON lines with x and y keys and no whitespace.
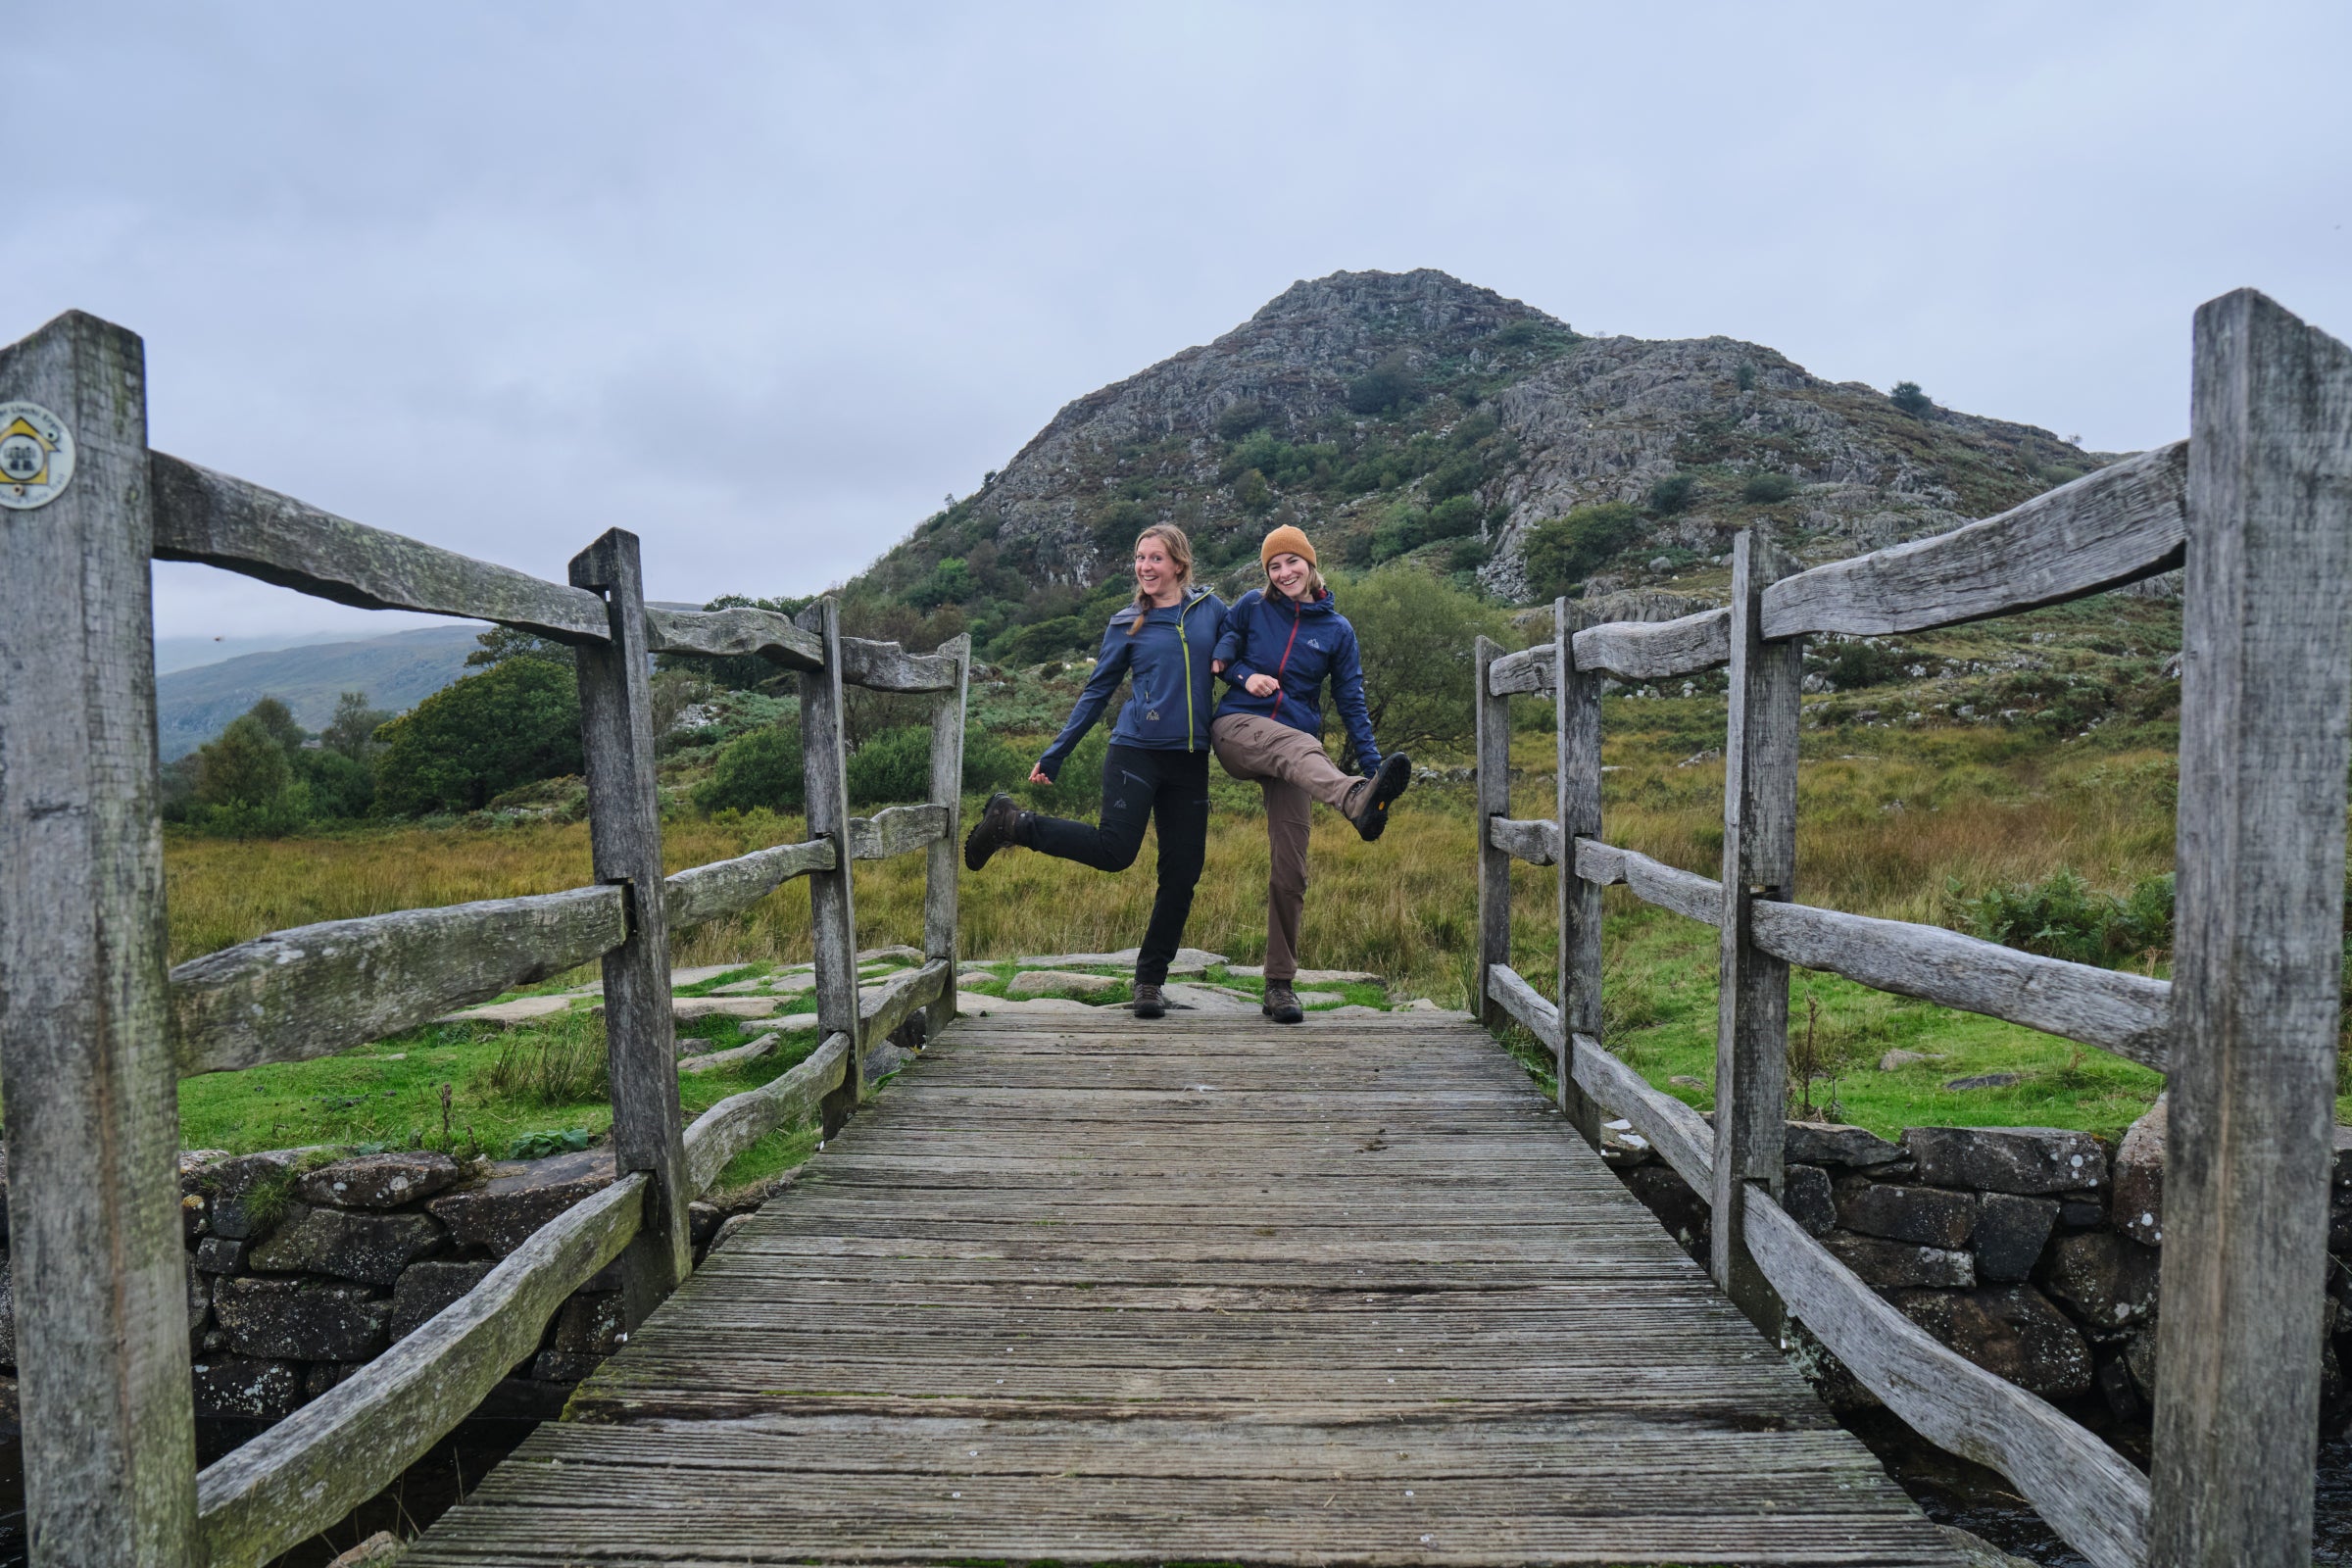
{"x":1168,"y":656}
{"x":1300,"y":646}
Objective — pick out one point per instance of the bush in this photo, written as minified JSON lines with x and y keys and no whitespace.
{"x":1766,"y":488}
{"x":1240,"y":418}
{"x":759,"y":771}
{"x":1907,"y":397}
{"x":2062,"y":916}
{"x":516,"y":721}
{"x":1856,"y":664}
{"x":1746,"y":376}
{"x":1079,"y":791}
{"x":1673,"y":494}
{"x":246,"y":765}
{"x":892,"y":768}
{"x":990,"y":763}
{"x":1388,"y":387}
{"x":1562,"y":551}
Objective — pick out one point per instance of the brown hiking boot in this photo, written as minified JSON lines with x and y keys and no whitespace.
{"x":999,"y":827}
{"x":1369,"y":810}
{"x":1282,"y":1004}
{"x":1149,"y":1003}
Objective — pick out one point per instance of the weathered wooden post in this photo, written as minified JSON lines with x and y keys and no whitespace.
{"x":101,"y":1283}
{"x":1494,"y":864}
{"x":624,"y":837}
{"x":1576,"y":709}
{"x":2267,"y":652}
{"x":944,"y":863}
{"x":825,"y":764}
{"x":1760,"y":862}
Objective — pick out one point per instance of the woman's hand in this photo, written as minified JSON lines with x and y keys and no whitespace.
{"x":1263,"y":685}
{"x":1037,"y":775}
{"x":1216,"y":666}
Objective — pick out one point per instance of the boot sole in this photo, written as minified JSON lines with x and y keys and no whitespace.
{"x":1269,"y":1013}
{"x":1393,"y":775}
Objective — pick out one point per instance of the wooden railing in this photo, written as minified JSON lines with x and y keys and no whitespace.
{"x":95,"y":1034}
{"x":2257,"y":505}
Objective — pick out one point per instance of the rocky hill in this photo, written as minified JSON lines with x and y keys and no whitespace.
{"x":1414,"y":415}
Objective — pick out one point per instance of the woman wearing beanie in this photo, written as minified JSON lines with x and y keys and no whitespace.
{"x":1276,"y":647}
{"x":1157,"y":766}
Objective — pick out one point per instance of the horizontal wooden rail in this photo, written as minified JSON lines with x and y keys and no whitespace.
{"x":722,"y":887}
{"x":1685,"y":893}
{"x":222,"y":521}
{"x":318,"y":989}
{"x":1522,"y":674}
{"x":2128,"y":1014}
{"x":1633,"y":650}
{"x":1537,"y":841}
{"x":1521,"y":1001}
{"x":888,"y":667}
{"x":883,"y":1007}
{"x":2126,"y":521}
{"x":897,"y":830}
{"x":739,"y":1121}
{"x":344,"y":1446}
{"x":1680,"y":1135}
{"x":734,"y":632}
{"x":2086,"y":1492}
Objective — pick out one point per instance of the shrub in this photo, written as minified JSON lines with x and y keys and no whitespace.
{"x":1907,"y":397}
{"x":1859,"y":663}
{"x":1240,"y":418}
{"x":759,"y":771}
{"x":1253,"y":495}
{"x":1746,"y":376}
{"x":1079,"y":790}
{"x":1387,"y":388}
{"x":1673,"y":494}
{"x":990,"y":763}
{"x":1453,"y":519}
{"x":1766,"y":488}
{"x":2062,"y":916}
{"x":1562,"y":551}
{"x":893,"y":767}
{"x":516,"y":721}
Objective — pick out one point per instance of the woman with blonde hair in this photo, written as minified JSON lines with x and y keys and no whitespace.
{"x":1276,"y":647}
{"x":1155,"y":769}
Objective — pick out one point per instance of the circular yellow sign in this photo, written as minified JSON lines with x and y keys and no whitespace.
{"x":36,"y":456}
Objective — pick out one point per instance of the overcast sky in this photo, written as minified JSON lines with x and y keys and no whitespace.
{"x":764,"y":282}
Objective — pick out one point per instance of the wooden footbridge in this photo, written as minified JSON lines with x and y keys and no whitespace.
{"x":1196,"y":1290}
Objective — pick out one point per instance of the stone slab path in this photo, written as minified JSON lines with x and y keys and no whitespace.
{"x":1084,"y":1290}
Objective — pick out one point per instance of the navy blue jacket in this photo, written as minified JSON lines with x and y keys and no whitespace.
{"x":1300,"y":646}
{"x":1168,"y":656}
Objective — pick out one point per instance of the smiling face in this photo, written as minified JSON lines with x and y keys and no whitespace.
{"x":1289,"y":573}
{"x":1157,"y":576}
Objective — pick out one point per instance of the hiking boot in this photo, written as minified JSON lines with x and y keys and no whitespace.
{"x":1369,"y":810}
{"x":999,"y":829}
{"x":1149,"y":1003}
{"x":1282,"y":1004}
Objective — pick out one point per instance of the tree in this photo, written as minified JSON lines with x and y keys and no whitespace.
{"x":516,"y":721}
{"x":1767,"y":488}
{"x":1562,"y":551}
{"x":278,"y":720}
{"x":245,"y":767}
{"x":352,"y":732}
{"x":761,"y":771}
{"x":1911,"y":400}
{"x":1415,"y":634}
{"x":501,"y":642}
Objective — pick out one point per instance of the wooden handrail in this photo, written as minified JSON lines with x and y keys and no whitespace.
{"x":1538,"y":843}
{"x":739,"y":1121}
{"x":344,"y":1446}
{"x":897,"y":830}
{"x":315,"y":990}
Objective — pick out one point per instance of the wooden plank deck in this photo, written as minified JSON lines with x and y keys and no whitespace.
{"x":1202,"y":1290}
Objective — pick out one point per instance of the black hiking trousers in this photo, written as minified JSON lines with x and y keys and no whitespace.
{"x":1140,"y":785}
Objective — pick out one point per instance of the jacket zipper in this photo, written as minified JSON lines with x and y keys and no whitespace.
{"x":1283,"y":669}
{"x":1185,"y":643}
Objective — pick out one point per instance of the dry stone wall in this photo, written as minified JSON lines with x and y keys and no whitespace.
{"x":2034,"y":1251}
{"x":303,"y":1267}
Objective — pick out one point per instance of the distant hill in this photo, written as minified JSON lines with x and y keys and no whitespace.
{"x":396,"y":671}
{"x":1412,"y":415}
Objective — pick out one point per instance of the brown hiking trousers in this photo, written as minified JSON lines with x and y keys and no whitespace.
{"x":1293,"y":771}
